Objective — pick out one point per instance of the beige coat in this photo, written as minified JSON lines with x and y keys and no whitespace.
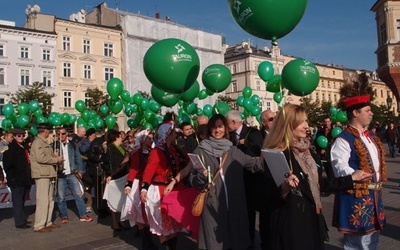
{"x":42,"y":159}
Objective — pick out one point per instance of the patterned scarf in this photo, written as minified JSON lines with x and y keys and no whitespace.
{"x":301,"y":151}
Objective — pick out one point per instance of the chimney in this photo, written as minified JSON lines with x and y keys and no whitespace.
{"x":167,"y":18}
{"x":158,"y":16}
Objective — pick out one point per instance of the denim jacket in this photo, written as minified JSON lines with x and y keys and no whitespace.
{"x":75,"y":158}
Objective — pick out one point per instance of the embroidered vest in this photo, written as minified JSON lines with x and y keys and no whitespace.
{"x":360,"y":211}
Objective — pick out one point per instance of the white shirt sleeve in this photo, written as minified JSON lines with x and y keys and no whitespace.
{"x":340,"y":155}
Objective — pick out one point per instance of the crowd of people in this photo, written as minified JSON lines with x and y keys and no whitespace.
{"x":149,"y":179}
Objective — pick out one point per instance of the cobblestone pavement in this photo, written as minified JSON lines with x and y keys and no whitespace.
{"x":99,"y":235}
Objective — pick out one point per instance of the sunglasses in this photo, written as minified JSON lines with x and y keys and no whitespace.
{"x":62,"y":133}
{"x":271,"y":119}
{"x":20,"y":135}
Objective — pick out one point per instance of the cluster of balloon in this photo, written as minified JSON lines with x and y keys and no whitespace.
{"x":171,"y":65}
{"x":338,"y":115}
{"x":300,"y":77}
{"x":249,"y":102}
{"x":32,"y":113}
{"x":267,"y":19}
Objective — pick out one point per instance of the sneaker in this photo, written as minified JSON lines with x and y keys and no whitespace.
{"x":64,"y":220}
{"x":89,"y":209}
{"x":86,"y":218}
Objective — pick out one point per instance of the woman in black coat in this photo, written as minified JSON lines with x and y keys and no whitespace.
{"x":18,"y":170}
{"x":296,"y":219}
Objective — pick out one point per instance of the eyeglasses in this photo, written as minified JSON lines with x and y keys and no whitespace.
{"x":20,"y":135}
{"x":62,"y":133}
{"x":271,"y":119}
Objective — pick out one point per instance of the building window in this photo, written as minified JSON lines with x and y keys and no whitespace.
{"x":2,"y":102}
{"x":66,"y":69}
{"x":108,"y":73}
{"x":334,"y":85}
{"x":323,"y":84}
{"x":108,"y":49}
{"x":24,"y":74}
{"x":268,"y":105}
{"x":333,"y":72}
{"x":24,"y":52}
{"x":86,"y":46}
{"x":258,"y":85}
{"x":2,"y":77}
{"x":316,"y":96}
{"x":329,"y":97}
{"x":329,"y":84}
{"x":2,"y":50}
{"x":234,"y":87}
{"x":381,"y":93}
{"x":87,"y":99}
{"x":323,"y":96}
{"x":87,"y":71}
{"x":47,"y":78}
{"x":66,"y":43}
{"x":383,"y":36}
{"x":67,"y":99}
{"x":234,"y":68}
{"x":46,"y":55}
{"x":335,"y":98}
{"x":398,"y":29}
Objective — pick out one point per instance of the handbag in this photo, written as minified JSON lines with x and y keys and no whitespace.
{"x":198,"y":203}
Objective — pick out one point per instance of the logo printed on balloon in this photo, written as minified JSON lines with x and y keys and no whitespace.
{"x":181,"y":57}
{"x":308,"y":67}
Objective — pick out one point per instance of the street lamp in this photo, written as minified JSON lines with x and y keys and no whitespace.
{"x":389,"y":102}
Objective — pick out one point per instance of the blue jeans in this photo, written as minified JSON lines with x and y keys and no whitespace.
{"x":392,"y":148}
{"x":361,"y":242}
{"x":76,"y":188}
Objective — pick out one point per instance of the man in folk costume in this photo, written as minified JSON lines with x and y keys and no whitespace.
{"x":359,"y":213}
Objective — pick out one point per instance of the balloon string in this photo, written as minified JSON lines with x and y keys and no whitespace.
{"x":281,"y":104}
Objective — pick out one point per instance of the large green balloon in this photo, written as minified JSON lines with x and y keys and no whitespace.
{"x":267,"y":19}
{"x":216,"y":77}
{"x":274,"y":84}
{"x":80,"y":105}
{"x":300,"y":77}
{"x":171,"y":65}
{"x":8,"y":110}
{"x":110,"y":121}
{"x":191,"y":93}
{"x":23,"y":108}
{"x":221,"y":108}
{"x":265,"y":70}
{"x":164,"y":98}
{"x":33,"y":106}
{"x":114,"y":88}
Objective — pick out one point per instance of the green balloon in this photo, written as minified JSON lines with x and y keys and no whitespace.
{"x":110,"y":121}
{"x":255,"y":99}
{"x":203,"y":94}
{"x":99,"y":123}
{"x":208,"y":110}
{"x":114,"y":88}
{"x":246,"y":92}
{"x":42,"y":119}
{"x":239,"y":101}
{"x":336,"y":131}
{"x":149,"y":116}
{"x":247,"y":104}
{"x":125,"y":96}
{"x":6,"y":124}
{"x":221,"y":108}
{"x":322,"y":141}
{"x":65,"y":118}
{"x":131,"y":123}
{"x":183,"y":118}
{"x":171,"y":65}
{"x":164,"y":98}
{"x":72,"y":118}
{"x":216,"y":77}
{"x":341,"y":116}
{"x":23,"y":108}
{"x":155,"y":107}
{"x":145,"y":104}
{"x":80,"y":105}
{"x":278,"y":97}
{"x":255,"y":110}
{"x":38,"y":113}
{"x":85,"y":115}
{"x":333,"y":118}
{"x":191,"y":93}
{"x":33,"y":106}
{"x":300,"y":77}
{"x":104,"y":109}
{"x":137,"y":98}
{"x":265,"y":70}
{"x":333,"y":110}
{"x":191,"y":108}
{"x":81,"y":123}
{"x":128,"y":110}
{"x":267,"y":19}
{"x":118,"y":106}
{"x":8,"y":110}
{"x":274,"y":84}
{"x":199,"y":112}
{"x":33,"y":131}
